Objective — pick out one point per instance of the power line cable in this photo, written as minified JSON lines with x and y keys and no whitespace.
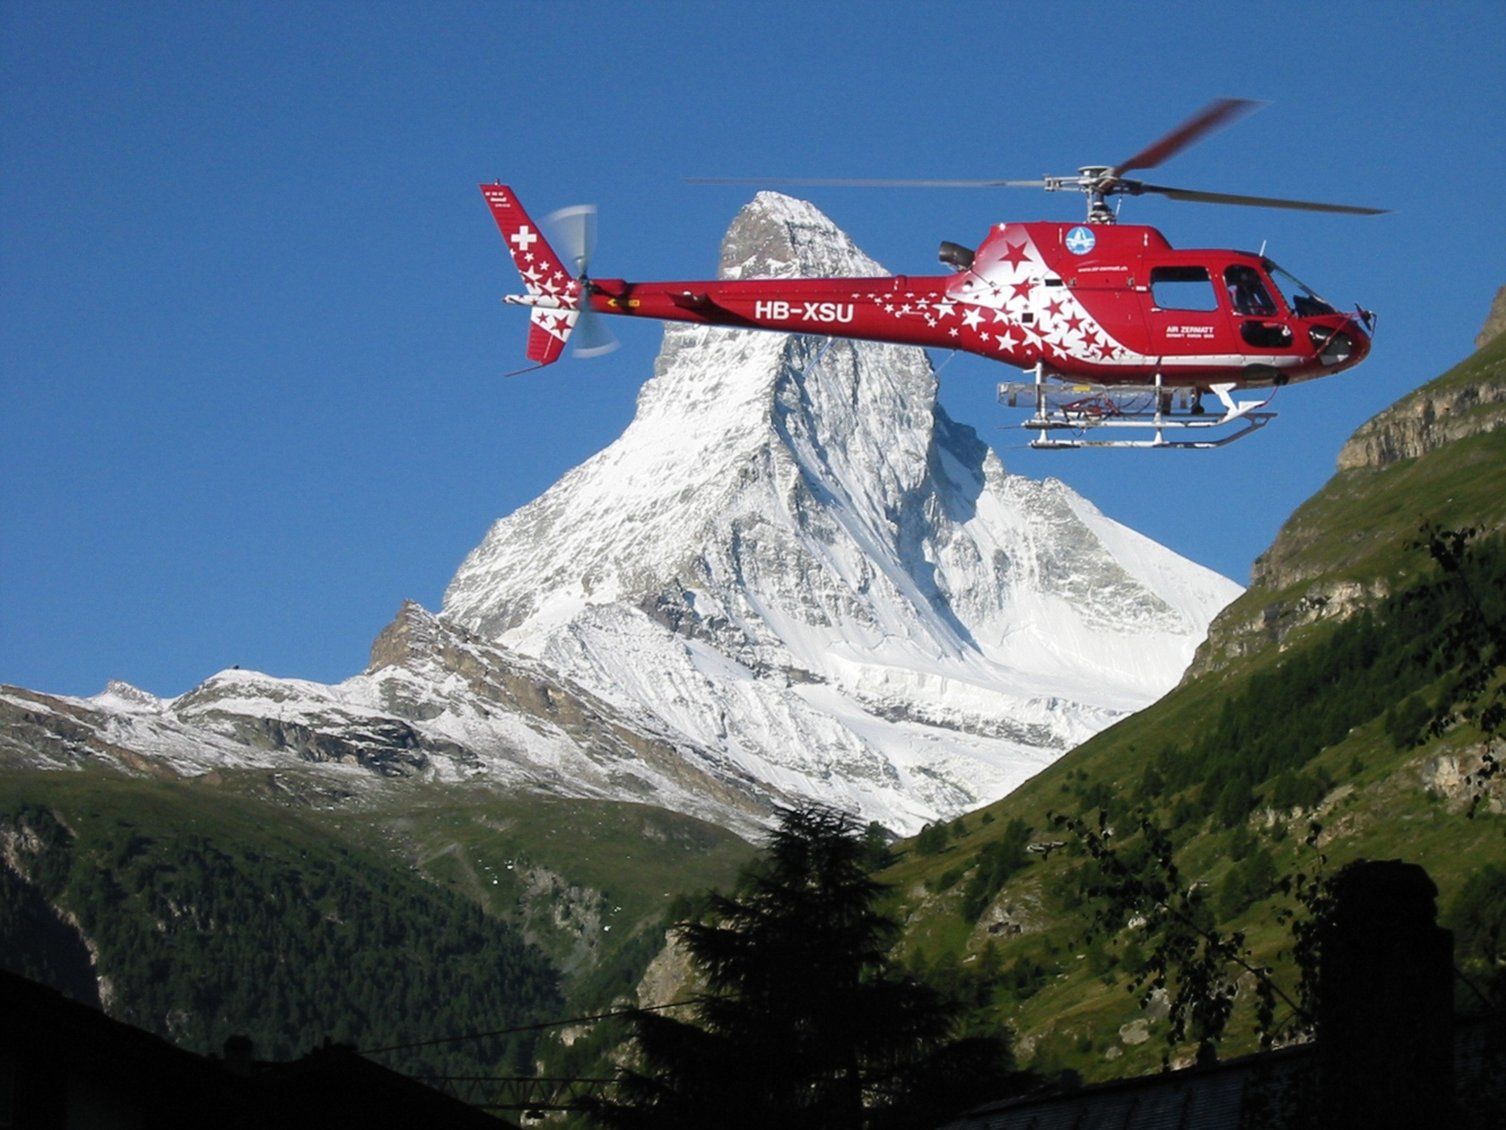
{"x":529,"y":1027}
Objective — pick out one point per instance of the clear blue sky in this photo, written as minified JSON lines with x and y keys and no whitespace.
{"x":249,"y":322}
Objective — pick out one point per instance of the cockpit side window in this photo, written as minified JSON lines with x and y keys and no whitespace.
{"x":1183,"y":288}
{"x":1248,"y":293}
{"x":1303,"y":302}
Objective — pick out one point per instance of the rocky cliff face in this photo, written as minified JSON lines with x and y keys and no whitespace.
{"x":1429,"y":419}
{"x":1495,"y":321}
{"x":1409,"y":463}
{"x":1440,"y":412}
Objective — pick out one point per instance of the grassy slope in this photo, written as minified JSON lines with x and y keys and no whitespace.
{"x":1356,"y":528}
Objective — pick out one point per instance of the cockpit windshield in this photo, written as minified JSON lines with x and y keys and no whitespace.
{"x":1299,"y":297}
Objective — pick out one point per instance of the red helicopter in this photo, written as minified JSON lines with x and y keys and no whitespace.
{"x":1118,"y":328}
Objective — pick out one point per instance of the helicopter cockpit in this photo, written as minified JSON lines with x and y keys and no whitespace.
{"x":1248,"y":293}
{"x":1302,"y":300}
{"x":1337,"y":337}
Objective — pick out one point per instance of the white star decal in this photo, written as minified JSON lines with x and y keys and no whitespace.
{"x":972,"y":317}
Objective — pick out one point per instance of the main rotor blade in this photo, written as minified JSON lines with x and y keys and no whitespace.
{"x":1135,"y":188}
{"x":868,"y":182}
{"x":1213,"y":116}
{"x":574,"y":231}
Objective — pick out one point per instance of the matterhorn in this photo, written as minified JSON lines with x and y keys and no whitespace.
{"x":792,"y":576}
{"x":793,"y":560}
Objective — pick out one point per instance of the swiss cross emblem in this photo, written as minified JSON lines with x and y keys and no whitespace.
{"x":524,"y":239}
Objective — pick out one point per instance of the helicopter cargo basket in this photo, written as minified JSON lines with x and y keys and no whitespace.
{"x":1069,"y":414}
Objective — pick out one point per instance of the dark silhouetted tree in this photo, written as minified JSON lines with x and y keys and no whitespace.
{"x":804,"y":1023}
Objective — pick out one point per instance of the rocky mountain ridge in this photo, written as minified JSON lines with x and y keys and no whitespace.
{"x":435,"y":704}
{"x":1327,"y":564}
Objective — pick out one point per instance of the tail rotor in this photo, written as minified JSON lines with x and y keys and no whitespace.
{"x":574,"y":231}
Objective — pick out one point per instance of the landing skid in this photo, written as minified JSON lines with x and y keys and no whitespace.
{"x":1155,"y":408}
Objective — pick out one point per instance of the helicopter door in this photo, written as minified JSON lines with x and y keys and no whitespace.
{"x":1108,"y":295}
{"x":1261,"y":324}
{"x":1185,"y":317}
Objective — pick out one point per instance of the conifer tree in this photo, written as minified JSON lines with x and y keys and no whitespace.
{"x":804,"y":1023}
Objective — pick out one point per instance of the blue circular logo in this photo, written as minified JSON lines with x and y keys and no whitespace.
{"x":1080,"y":240}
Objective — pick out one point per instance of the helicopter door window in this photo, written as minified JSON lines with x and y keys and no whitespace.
{"x":1183,"y":288}
{"x":1300,"y":298}
{"x":1248,"y":294}
{"x":1259,"y":324}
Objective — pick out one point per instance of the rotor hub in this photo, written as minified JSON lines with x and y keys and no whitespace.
{"x":1098,"y":183}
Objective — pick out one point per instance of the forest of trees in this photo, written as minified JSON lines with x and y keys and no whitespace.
{"x":200,"y":939}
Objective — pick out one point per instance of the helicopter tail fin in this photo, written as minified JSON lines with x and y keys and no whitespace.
{"x":553,"y":292}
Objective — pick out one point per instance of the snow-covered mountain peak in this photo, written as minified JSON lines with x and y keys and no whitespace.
{"x":793,"y":556}
{"x":732,"y":421}
{"x":120,"y":695}
{"x":777,"y":236}
{"x":792,"y":576}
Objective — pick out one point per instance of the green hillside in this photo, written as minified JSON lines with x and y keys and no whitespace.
{"x":207,"y":908}
{"x":1348,"y":689}
{"x":1314,"y":701}
{"x":589,"y":882}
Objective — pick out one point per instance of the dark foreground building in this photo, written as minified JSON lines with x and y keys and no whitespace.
{"x":66,"y":1066}
{"x":1269,"y":1090}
